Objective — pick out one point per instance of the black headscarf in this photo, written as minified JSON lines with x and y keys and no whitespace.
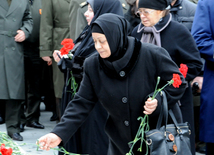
{"x":116,"y":29}
{"x":155,"y":4}
{"x":99,"y":7}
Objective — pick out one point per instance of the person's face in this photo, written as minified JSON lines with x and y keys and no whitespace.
{"x":149,"y":17}
{"x":101,"y":45}
{"x":89,"y":14}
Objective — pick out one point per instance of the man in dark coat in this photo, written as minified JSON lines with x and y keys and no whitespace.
{"x":33,"y":68}
{"x":15,"y":26}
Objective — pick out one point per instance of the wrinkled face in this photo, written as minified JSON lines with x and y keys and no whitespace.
{"x":89,"y":14}
{"x":101,"y":45}
{"x":149,"y":17}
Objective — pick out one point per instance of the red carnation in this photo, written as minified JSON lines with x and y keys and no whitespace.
{"x":67,"y":46}
{"x":5,"y":151}
{"x":183,"y":69}
{"x":66,"y":41}
{"x":64,"y":51}
{"x":177,"y":80}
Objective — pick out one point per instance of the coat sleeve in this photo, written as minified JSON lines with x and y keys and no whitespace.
{"x":46,"y":29}
{"x":27,"y":21}
{"x":188,"y":53}
{"x":77,"y":110}
{"x":203,"y":29}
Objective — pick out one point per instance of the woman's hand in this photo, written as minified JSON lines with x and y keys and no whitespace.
{"x":48,"y":141}
{"x":48,"y":59}
{"x":56,"y":55}
{"x":150,"y":106}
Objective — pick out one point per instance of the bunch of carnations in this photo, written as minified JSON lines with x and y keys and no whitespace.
{"x":68,"y":45}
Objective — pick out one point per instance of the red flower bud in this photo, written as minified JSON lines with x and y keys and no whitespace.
{"x":183,"y":69}
{"x":177,"y":80}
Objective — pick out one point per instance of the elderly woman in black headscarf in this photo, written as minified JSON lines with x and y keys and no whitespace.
{"x":90,"y":138}
{"x":157,"y":27}
{"x":121,"y":76}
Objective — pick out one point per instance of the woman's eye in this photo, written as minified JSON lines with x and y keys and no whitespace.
{"x":102,"y":41}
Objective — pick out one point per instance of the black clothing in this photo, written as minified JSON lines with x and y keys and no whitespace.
{"x":154,"y":4}
{"x":33,"y":67}
{"x":132,"y":18}
{"x":90,"y":138}
{"x":183,"y":11}
{"x":121,"y":88}
{"x":182,"y":49}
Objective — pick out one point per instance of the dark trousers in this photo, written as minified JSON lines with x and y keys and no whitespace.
{"x":12,"y":114}
{"x":33,"y":71}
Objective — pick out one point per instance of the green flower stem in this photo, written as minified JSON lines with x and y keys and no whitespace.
{"x":144,"y":126}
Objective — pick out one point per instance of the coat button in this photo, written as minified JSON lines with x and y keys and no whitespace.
{"x":124,"y":100}
{"x":122,"y":73}
{"x":14,"y":19}
{"x":13,"y":48}
{"x":126,"y":123}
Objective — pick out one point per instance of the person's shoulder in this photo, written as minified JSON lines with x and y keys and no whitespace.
{"x":206,"y":3}
{"x":190,"y":7}
{"x":92,"y":59}
{"x":175,"y":26}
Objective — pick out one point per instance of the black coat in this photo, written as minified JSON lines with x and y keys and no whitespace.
{"x":183,"y":11}
{"x":122,"y":93}
{"x":179,"y":43}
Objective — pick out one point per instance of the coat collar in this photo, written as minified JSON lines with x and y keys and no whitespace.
{"x":122,"y":67}
{"x":4,"y":4}
{"x":13,"y":6}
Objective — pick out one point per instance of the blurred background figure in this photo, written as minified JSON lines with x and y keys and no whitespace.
{"x":16,"y":25}
{"x":130,"y":15}
{"x":33,"y":70}
{"x":53,"y":29}
{"x":183,"y":11}
{"x":203,"y":33}
{"x":77,"y":19}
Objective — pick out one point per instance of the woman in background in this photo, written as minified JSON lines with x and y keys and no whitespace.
{"x":157,"y":27}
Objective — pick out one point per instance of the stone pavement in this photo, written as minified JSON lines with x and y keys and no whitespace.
{"x":30,"y":135}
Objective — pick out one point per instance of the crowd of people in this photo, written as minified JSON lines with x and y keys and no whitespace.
{"x":120,"y":48}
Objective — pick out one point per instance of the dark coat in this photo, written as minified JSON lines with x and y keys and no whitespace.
{"x":183,"y":11}
{"x":90,"y":138}
{"x":182,"y":49}
{"x":122,"y":94}
{"x":13,"y":18}
{"x":203,"y":33}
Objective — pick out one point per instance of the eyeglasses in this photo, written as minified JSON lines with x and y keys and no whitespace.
{"x":144,"y":12}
